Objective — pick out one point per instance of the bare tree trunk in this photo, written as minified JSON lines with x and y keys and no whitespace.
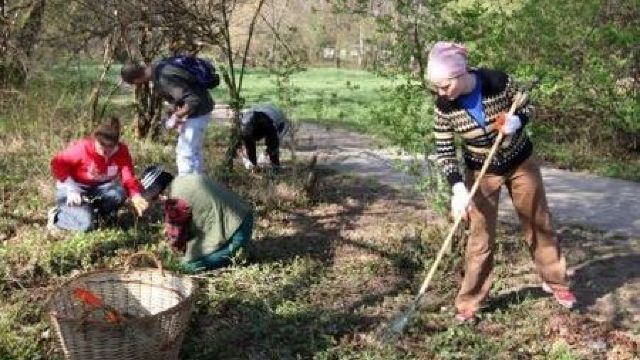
{"x":31,"y":29}
{"x":361,"y":45}
{"x":276,"y":25}
{"x":229,"y":78}
{"x":237,"y":102}
{"x":419,"y":45}
{"x":4,"y":30}
{"x":107,"y":61}
{"x":147,"y":103}
{"x":337,"y":41}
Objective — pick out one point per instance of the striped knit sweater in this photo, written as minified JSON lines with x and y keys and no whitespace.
{"x":498,"y":90}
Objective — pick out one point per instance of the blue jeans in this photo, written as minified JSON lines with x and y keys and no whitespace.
{"x":107,"y":198}
{"x":189,"y":147}
{"x":222,"y":257}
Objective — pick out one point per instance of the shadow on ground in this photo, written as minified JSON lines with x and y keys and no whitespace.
{"x":341,"y":258}
{"x":604,"y":273}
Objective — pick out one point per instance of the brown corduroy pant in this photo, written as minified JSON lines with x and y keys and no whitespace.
{"x":527,"y":193}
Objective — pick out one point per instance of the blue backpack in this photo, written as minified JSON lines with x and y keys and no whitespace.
{"x":202,"y":70}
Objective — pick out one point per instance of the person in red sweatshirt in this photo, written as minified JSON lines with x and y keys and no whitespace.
{"x":93,"y":176}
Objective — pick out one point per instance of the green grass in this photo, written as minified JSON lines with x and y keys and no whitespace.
{"x":357,"y":99}
{"x":353,"y":99}
{"x":322,"y":94}
{"x":326,"y":271}
{"x":562,"y":351}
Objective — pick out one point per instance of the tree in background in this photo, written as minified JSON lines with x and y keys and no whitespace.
{"x":145,"y":30}
{"x":21,"y":23}
{"x":588,"y":64}
{"x":119,"y":29}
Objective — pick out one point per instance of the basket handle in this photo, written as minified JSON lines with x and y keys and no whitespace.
{"x":147,"y":254}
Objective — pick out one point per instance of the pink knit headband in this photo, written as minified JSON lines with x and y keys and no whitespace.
{"x":447,"y":60}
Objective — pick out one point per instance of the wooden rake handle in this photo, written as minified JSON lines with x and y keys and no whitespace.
{"x":518,"y":101}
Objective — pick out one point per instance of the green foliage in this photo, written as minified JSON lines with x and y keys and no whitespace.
{"x":342,"y":353}
{"x":561,"y":351}
{"x":286,"y":92}
{"x":586,"y":64}
{"x":405,"y":117}
{"x":18,"y":332}
{"x":581,"y":62}
{"x":461,"y":343}
{"x":324,"y":95}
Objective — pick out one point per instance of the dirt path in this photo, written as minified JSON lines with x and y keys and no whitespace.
{"x":604,"y":204}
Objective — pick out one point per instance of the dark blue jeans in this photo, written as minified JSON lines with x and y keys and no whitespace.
{"x":105,"y":201}
{"x":222,"y":257}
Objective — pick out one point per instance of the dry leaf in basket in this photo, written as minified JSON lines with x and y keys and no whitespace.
{"x":87,"y":297}
{"x":111,"y":315}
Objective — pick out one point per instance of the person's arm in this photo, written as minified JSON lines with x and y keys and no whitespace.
{"x":62,"y":167}
{"x":127,"y":174}
{"x":524,"y":112}
{"x":446,"y":158}
{"x":445,"y":148}
{"x":182,"y":112}
{"x":64,"y":162}
{"x":130,"y":182}
{"x":182,"y":95}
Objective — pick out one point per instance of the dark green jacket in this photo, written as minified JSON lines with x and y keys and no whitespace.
{"x":216,"y":213}
{"x":179,"y":87}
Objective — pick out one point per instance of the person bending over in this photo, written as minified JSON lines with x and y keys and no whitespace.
{"x":203,"y":220}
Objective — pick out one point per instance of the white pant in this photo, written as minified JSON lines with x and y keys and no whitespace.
{"x":189,"y":147}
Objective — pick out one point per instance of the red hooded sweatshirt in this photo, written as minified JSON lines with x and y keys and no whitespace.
{"x":87,"y":167}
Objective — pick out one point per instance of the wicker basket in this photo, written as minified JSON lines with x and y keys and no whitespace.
{"x":154,"y":305}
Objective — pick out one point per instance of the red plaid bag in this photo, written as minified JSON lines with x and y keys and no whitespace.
{"x":177,"y":217}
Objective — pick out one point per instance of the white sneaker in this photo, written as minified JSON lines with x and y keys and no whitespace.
{"x":247,"y":163}
{"x":51,"y":220}
{"x":263,"y":160}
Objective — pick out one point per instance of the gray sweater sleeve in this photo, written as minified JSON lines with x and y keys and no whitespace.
{"x":178,"y":91}
{"x":174,"y":85}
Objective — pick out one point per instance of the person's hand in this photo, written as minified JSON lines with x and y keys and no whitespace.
{"x":140,"y":204}
{"x":180,"y":124}
{"x":74,"y":198}
{"x":508,"y":124}
{"x":170,"y":122}
{"x":74,"y":193}
{"x":460,"y":201}
{"x":263,"y":159}
{"x":247,"y":164}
